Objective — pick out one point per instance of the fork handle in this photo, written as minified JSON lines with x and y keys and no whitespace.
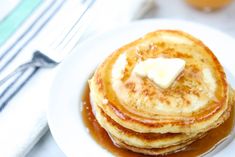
{"x":19,"y":69}
{"x":16,"y":85}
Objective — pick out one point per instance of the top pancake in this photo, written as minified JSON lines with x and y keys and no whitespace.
{"x":196,"y":99}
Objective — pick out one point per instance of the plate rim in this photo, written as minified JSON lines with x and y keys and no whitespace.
{"x":60,"y":68}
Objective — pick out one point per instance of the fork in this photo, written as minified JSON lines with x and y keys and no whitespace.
{"x":43,"y":59}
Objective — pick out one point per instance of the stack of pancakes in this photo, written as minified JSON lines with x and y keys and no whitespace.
{"x":142,"y":117}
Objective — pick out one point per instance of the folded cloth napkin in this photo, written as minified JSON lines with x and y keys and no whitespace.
{"x":23,"y":121}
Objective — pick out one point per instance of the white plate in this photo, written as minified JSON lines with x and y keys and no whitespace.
{"x":64,"y":114}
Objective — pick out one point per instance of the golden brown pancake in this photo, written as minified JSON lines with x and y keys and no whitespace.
{"x":145,"y":118}
{"x":152,"y":151}
{"x":151,"y":143}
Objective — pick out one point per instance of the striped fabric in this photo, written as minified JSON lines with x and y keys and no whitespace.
{"x":16,"y":17}
{"x":17,"y":30}
{"x":22,"y":123}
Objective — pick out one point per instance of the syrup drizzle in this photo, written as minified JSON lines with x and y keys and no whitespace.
{"x":197,"y":148}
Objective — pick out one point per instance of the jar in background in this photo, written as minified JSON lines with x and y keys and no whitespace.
{"x":208,"y":5}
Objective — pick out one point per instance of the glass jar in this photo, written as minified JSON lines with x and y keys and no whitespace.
{"x":208,"y":5}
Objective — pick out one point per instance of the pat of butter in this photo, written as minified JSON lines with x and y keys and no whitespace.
{"x":162,"y":71}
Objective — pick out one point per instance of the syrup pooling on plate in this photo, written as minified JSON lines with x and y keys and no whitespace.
{"x":197,"y":148}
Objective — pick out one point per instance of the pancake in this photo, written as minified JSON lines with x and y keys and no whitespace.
{"x":141,"y":140}
{"x":127,"y":138}
{"x":141,"y":116}
{"x":161,"y":151}
{"x":151,"y":151}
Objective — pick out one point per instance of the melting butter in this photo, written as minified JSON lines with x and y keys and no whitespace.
{"x":162,"y":71}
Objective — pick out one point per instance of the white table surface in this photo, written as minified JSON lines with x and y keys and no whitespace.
{"x":223,"y":20}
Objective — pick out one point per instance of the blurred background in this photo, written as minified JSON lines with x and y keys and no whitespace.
{"x":222,"y":18}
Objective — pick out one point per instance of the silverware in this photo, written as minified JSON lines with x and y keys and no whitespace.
{"x":10,"y":52}
{"x":47,"y":57}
